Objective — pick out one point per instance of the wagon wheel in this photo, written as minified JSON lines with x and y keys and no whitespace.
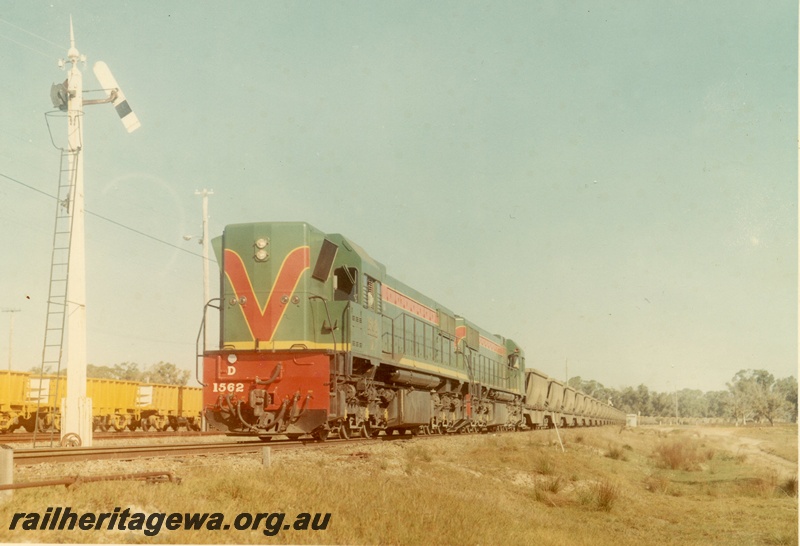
{"x":344,"y":430}
{"x":42,"y":425}
{"x":117,"y":423}
{"x":320,"y":435}
{"x":146,"y":424}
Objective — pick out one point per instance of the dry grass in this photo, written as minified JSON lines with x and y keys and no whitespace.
{"x":515,"y":488}
{"x":681,"y":454}
{"x":617,"y":453}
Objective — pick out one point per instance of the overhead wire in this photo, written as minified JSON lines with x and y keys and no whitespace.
{"x":109,"y":220}
{"x":43,"y":54}
{"x":31,"y":33}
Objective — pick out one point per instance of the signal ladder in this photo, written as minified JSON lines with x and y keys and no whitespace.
{"x":52,"y":348}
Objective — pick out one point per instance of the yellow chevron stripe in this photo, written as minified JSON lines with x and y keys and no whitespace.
{"x":285,"y":346}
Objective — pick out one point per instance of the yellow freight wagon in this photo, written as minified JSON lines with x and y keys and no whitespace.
{"x":14,"y":404}
{"x":192,"y":406}
{"x":113,"y":403}
{"x":46,"y":394}
{"x":163,"y":406}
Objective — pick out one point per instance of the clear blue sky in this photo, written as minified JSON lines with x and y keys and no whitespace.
{"x":611,"y":184}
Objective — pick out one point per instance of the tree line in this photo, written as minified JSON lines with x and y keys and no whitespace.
{"x":162,"y":372}
{"x":751,"y":396}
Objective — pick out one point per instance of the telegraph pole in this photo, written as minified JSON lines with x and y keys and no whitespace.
{"x":206,"y":289}
{"x":10,"y":335}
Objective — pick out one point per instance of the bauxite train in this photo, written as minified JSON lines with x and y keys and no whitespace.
{"x":316,"y":337}
{"x":33,"y":401}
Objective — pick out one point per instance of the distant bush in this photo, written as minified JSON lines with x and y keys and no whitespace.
{"x":607,"y":494}
{"x":553,"y":484}
{"x":601,"y":495}
{"x":657,"y":483}
{"x":763,"y":486}
{"x":789,"y":486}
{"x":617,"y":453}
{"x":681,"y":454}
{"x":545,"y":466}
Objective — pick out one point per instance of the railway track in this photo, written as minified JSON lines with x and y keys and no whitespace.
{"x":44,"y":437}
{"x":63,"y":454}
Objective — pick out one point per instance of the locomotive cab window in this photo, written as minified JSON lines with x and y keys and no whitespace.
{"x":345,"y":284}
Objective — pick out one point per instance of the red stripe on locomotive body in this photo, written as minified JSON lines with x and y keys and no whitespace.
{"x":398,"y":299}
{"x":492,"y":346}
{"x":461,"y":333}
{"x":263,"y":321}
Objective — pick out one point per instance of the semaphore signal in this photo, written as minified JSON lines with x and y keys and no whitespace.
{"x":67,"y":297}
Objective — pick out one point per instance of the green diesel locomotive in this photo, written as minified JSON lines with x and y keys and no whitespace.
{"x":316,"y":337}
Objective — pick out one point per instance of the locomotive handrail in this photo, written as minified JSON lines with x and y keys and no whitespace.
{"x":328,"y":314}
{"x":199,"y":354}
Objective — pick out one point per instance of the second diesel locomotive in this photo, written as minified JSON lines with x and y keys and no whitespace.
{"x":316,"y":337}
